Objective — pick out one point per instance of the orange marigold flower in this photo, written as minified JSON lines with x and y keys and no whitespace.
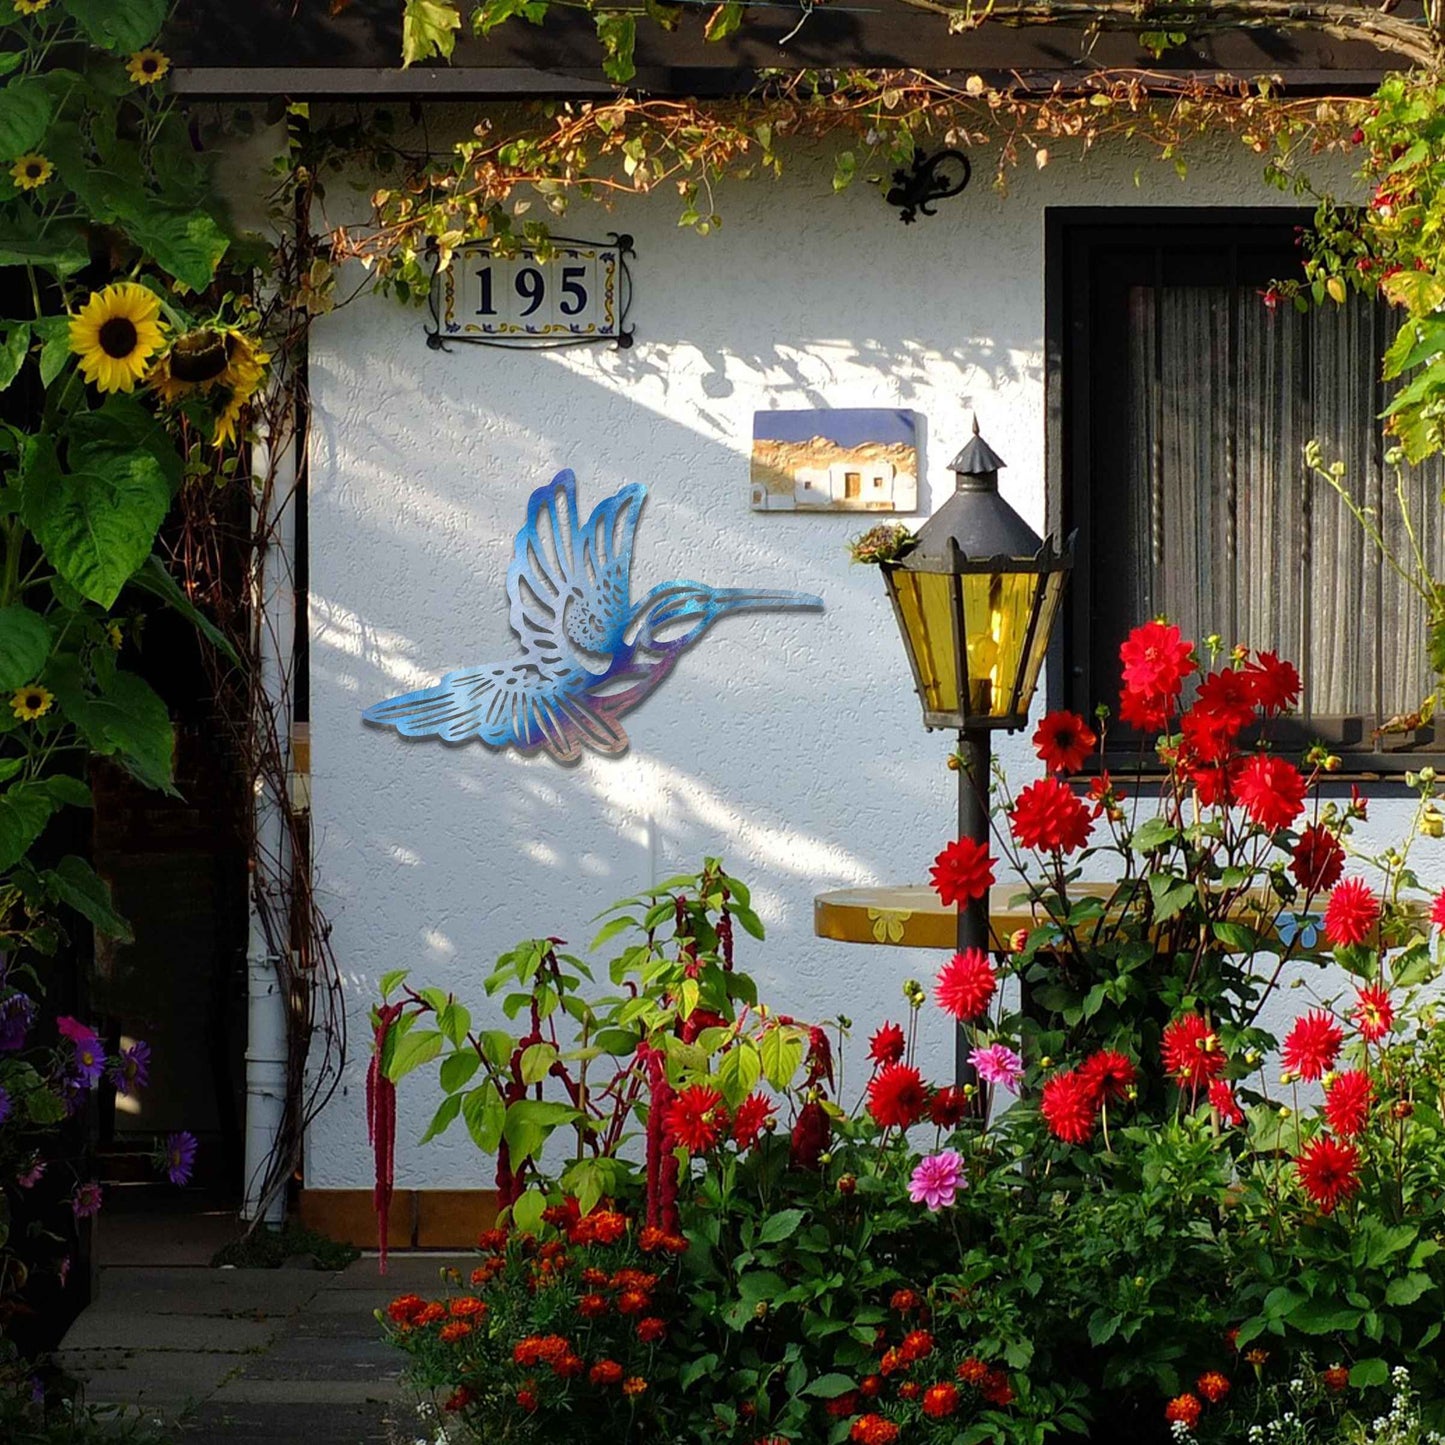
{"x":996,"y":1389}
{"x":972,"y":1371}
{"x":633,"y":1302}
{"x":633,"y":1386}
{"x":940,"y":1401}
{"x":1183,"y":1410}
{"x":568,"y":1366}
{"x":651,"y":1330}
{"x":591,"y":1306}
{"x":1256,"y":1357}
{"x":404,"y":1309}
{"x":909,"y":1390}
{"x":917,"y":1345}
{"x":1336,"y":1378}
{"x":905,"y":1301}
{"x":431,"y":1313}
{"x":467,"y":1305}
{"x":605,"y":1372}
{"x":527,"y":1396}
{"x":893,"y":1360}
{"x":455,"y":1330}
{"x":459,"y":1399}
{"x":840,"y":1407}
{"x":873,"y":1430}
{"x":492,"y":1240}
{"x":870,"y":1386}
{"x":634,"y":1279}
{"x":651,"y":1239}
{"x":1213,"y":1386}
{"x":595,"y":1278}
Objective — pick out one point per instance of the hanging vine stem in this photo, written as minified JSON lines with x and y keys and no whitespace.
{"x":226,"y":556}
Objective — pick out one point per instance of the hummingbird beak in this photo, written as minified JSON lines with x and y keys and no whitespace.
{"x":746,"y":599}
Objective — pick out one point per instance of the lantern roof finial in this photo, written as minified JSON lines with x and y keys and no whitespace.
{"x":977,"y":461}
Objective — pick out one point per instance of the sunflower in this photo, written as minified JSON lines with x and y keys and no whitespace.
{"x":213,"y":359}
{"x":146,"y":67}
{"x":114,"y":635}
{"x":31,"y":702}
{"x":31,"y":170}
{"x":116,"y":334}
{"x":30,"y":7}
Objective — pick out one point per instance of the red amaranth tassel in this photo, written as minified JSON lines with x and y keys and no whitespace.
{"x":381,"y":1125}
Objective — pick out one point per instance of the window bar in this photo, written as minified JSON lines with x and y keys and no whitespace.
{"x":1231,"y":473}
{"x":1307,"y":400}
{"x":1377,"y":483}
{"x":1156,"y":442}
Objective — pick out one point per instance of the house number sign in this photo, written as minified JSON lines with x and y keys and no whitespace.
{"x":570,"y":293}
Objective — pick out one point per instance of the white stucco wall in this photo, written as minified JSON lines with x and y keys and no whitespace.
{"x":788,"y":744}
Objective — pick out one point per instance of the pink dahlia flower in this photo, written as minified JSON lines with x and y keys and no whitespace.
{"x":937,"y":1180}
{"x":998,"y":1065}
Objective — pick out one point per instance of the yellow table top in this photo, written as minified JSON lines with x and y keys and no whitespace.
{"x":911,"y":916}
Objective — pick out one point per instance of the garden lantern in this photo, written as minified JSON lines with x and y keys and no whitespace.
{"x":976,"y":598}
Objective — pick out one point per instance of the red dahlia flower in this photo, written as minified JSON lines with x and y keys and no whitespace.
{"x":1048,"y":816}
{"x":1347,"y":1103}
{"x":1068,"y":1108}
{"x":1271,"y":791}
{"x":1109,"y":1075}
{"x":1225,"y":702}
{"x":948,"y":1107}
{"x":1191,"y":1051}
{"x":962,"y":872}
{"x":1142,"y":713}
{"x":1223,"y":1102}
{"x":887,"y":1045}
{"x":751,"y":1121}
{"x":1156,"y":661}
{"x":1350,"y":914}
{"x":1063,"y":741}
{"x":897,"y":1097}
{"x":966,"y":984}
{"x":1313,"y":1045}
{"x":1328,"y":1171}
{"x":1274,"y":684}
{"x":1318,"y":860}
{"x":1373,"y":1013}
{"x":1437,"y":909}
{"x":940,"y":1401}
{"x":696,"y":1118}
{"x":811,"y":1132}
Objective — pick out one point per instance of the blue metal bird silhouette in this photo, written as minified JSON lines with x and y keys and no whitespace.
{"x":588,"y":654}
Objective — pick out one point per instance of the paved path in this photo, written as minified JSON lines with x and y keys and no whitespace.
{"x":253,"y":1356}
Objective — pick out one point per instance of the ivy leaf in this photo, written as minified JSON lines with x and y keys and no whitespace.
{"x":24,"y":646}
{"x":428,"y":27}
{"x":73,"y":881}
{"x":96,"y":527}
{"x":119,"y":25}
{"x":618,"y":34}
{"x":726,"y":20}
{"x":26,"y":107}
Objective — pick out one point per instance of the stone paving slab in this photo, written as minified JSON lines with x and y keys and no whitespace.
{"x":206,"y":1291}
{"x":169,"y":1378}
{"x":267,"y":1423}
{"x":326,"y":1359}
{"x":149,"y":1331}
{"x":420,"y":1272}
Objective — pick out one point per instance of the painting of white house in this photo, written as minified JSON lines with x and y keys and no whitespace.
{"x":845,"y":459}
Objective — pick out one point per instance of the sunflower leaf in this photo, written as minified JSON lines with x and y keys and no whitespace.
{"x":96,"y":526}
{"x":119,"y":25}
{"x":26,"y":107}
{"x":25,"y":809}
{"x":188,"y":244}
{"x":24,"y":646}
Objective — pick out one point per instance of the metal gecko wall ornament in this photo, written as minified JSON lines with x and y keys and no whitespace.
{"x":588,"y":653}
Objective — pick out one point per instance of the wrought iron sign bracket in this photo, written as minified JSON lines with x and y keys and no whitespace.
{"x":570,"y":292}
{"x":934,"y":177}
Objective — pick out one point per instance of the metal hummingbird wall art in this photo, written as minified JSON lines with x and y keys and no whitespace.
{"x":589,"y":654}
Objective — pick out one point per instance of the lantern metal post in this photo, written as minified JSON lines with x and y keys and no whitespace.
{"x":975,"y":596}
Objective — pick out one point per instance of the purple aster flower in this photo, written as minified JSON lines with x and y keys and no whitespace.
{"x":17,"y":1016}
{"x":178,"y":1158}
{"x":937,"y":1180}
{"x":32,"y":1174}
{"x":85,"y":1202}
{"x":131,"y":1072}
{"x":998,"y":1065}
{"x":5,"y":1106}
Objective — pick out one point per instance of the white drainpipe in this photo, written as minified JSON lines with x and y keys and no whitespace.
{"x":274,"y":598}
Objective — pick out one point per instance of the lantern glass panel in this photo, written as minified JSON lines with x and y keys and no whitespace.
{"x":996,"y":610}
{"x":925,"y":600}
{"x":1043,"y":632}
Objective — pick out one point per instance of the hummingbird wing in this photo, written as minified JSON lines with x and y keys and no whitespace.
{"x":568,"y":581}
{"x":519,"y":705}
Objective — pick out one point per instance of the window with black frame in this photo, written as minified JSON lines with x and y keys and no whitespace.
{"x":1181,"y":402}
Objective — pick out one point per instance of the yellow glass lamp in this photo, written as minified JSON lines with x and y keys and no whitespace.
{"x":976,"y":600}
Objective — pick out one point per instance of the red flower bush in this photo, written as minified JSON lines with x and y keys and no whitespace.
{"x":1191,"y":1051}
{"x":754,"y":1117}
{"x":1329,"y":1172}
{"x":1347,"y":1103}
{"x":1318,"y":860}
{"x":1351,"y":914}
{"x":1063,"y":741}
{"x":1068,"y":1108}
{"x":897,"y":1097}
{"x":1156,"y":661}
{"x":1313,"y":1046}
{"x":696,"y":1119}
{"x":1109,"y":1076}
{"x":887,"y":1045}
{"x":1373,"y":1013}
{"x":1271,"y":791}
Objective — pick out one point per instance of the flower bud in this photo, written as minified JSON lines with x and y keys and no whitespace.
{"x":825,"y":1157}
{"x":1284,"y":1111}
{"x":1432,"y":825}
{"x":847,"y":1183}
{"x":1018,"y":940}
{"x":1046,"y":1062}
{"x":1427,"y":776}
{"x":760,"y":1310}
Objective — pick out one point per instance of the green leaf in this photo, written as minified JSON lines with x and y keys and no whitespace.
{"x":528,"y":1210}
{"x":618,"y":34}
{"x":76,"y":883}
{"x":119,"y":25}
{"x":780,"y":1225}
{"x":1171,"y":895}
{"x":97,"y":528}
{"x":25,"y":809}
{"x":537,"y":1061}
{"x":757,"y":1285}
{"x":457,"y":1069}
{"x":1153,"y":833}
{"x":13,"y":350}
{"x":1323,"y":1317}
{"x":781,"y":1056}
{"x":43,"y":1107}
{"x":1365,"y":1373}
{"x":59,"y":246}
{"x":428,"y":27}
{"x":189,"y":244}
{"x":154,"y":578}
{"x":738,"y":1072}
{"x":454,"y":1021}
{"x":694,"y":1370}
{"x":110,"y":433}
{"x":54,"y":335}
{"x":26,"y":106}
{"x":137,"y":725}
{"x":24,"y":647}
{"x":726,"y":20}
{"x":418,"y":1047}
{"x":392,"y":980}
{"x":484,"y":1114}
{"x":830,"y":1387}
{"x":441,"y":1121}
{"x":1407,"y":1289}
{"x":68,"y":791}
